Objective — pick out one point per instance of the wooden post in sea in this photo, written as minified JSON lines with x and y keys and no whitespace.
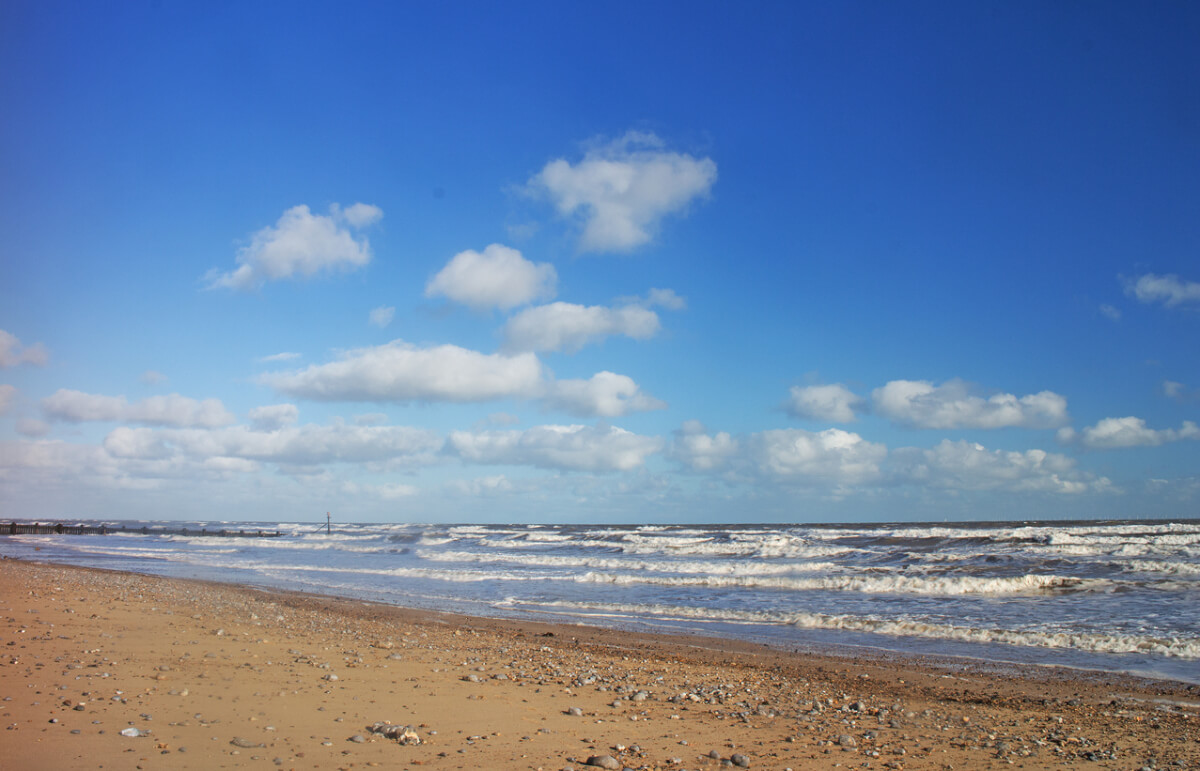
{"x":328,"y":523}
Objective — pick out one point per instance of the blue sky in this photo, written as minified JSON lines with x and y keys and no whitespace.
{"x":600,"y":262}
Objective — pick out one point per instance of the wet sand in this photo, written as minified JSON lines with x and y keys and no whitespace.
{"x":219,"y":676}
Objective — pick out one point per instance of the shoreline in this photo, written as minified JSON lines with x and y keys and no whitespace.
{"x":499,"y":692}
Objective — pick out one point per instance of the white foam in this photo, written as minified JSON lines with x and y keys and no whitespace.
{"x":883,"y":584}
{"x":1171,"y":647}
{"x":727,"y":567}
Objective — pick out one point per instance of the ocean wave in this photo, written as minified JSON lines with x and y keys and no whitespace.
{"x":1092,"y":642}
{"x":739,"y":567}
{"x":885,"y":584}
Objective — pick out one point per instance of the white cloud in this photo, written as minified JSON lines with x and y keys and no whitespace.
{"x":1111,"y":312}
{"x":8,"y":394}
{"x":401,"y":372}
{"x":498,"y":278}
{"x":696,"y":448}
{"x":394,"y":491}
{"x":833,"y":402}
{"x":831,"y":455}
{"x":273,"y":416}
{"x":1115,"y":433}
{"x":170,"y":410}
{"x":667,"y":298}
{"x":500,"y":419}
{"x":301,"y":244}
{"x":1180,"y":392}
{"x":483,"y":487}
{"x":306,"y":445}
{"x":965,"y":465}
{"x":623,"y":189}
{"x":151,"y":377}
{"x":359,"y":215}
{"x":576,"y":448}
{"x":285,"y":356}
{"x":1170,"y":289}
{"x":12,"y":352}
{"x":921,"y":404}
{"x":382,"y":316}
{"x":605,"y":394}
{"x":32,"y":427}
{"x":663,"y":298}
{"x":568,"y":327}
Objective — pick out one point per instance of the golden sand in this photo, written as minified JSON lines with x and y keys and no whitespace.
{"x":218,"y":676}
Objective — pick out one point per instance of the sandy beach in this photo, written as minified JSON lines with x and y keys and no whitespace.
{"x":115,"y":670}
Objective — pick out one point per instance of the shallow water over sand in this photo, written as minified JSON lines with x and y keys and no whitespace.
{"x":1108,"y":595}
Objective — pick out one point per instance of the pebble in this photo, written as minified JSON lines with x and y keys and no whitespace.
{"x":575,"y":712}
{"x":604,"y":761}
{"x":131,"y":733}
{"x":739,"y":760}
{"x":244,"y":743}
{"x":404,"y":734}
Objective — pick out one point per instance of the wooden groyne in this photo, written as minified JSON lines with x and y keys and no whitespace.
{"x":58,"y":528}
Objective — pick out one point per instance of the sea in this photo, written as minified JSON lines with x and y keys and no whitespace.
{"x":1120,"y":596}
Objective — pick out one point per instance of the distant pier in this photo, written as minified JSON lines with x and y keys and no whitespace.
{"x":58,"y":528}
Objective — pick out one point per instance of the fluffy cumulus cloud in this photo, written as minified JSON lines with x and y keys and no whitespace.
{"x":921,"y":404}
{"x":833,"y":402}
{"x":499,"y":277}
{"x":298,"y":445}
{"x":382,"y":316}
{"x":623,"y":189}
{"x":965,"y":465}
{"x":13,"y":352}
{"x":605,"y":394}
{"x":1170,"y":290}
{"x":401,"y":372}
{"x":170,"y":410}
{"x":574,"y":448}
{"x":358,"y":215}
{"x":1117,"y":433}
{"x":302,"y":244}
{"x":568,"y":327}
{"x":273,"y":416}
{"x":8,"y":395}
{"x":832,"y":455}
{"x":697,"y":449}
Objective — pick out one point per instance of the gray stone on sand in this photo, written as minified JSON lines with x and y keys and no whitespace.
{"x":244,"y":743}
{"x":604,"y":761}
{"x":739,"y":760}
